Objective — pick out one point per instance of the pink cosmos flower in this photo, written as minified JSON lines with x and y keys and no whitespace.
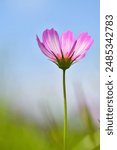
{"x":65,"y":50}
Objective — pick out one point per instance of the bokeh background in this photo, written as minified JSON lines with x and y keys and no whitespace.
{"x":31,"y":85}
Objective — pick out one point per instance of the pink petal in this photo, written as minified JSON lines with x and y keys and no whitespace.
{"x":67,"y":41}
{"x":44,"y":50}
{"x":83,"y":44}
{"x":77,"y":58}
{"x":51,"y":41}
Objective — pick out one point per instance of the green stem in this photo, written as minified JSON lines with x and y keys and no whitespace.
{"x":65,"y":112}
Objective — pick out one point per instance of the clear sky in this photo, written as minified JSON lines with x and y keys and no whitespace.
{"x":23,"y":68}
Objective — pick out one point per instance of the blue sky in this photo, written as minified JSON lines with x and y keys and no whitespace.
{"x":22,"y":63}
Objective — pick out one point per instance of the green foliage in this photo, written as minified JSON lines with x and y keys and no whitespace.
{"x":17,"y":134}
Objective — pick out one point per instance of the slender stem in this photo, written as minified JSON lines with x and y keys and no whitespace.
{"x":65,"y":112}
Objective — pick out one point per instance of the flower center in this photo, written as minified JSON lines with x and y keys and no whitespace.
{"x":64,"y":63}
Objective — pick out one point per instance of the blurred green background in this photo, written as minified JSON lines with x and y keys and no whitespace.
{"x":18,"y":132}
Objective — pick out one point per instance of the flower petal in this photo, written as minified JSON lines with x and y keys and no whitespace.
{"x":51,"y":41}
{"x":44,"y":50}
{"x":77,"y":58}
{"x":83,"y":44}
{"x":67,"y":41}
